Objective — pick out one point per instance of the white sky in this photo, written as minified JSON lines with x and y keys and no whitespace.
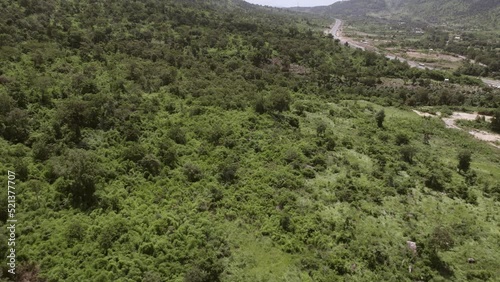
{"x":292,"y":3}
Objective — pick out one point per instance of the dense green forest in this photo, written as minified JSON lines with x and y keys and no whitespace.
{"x":217,"y":141}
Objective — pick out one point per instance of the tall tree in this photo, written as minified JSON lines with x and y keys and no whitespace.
{"x":495,"y":122}
{"x":380,"y":117}
{"x":78,"y":171}
{"x":464,"y":159}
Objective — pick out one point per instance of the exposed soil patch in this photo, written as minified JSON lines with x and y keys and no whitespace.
{"x":292,"y":68}
{"x":491,"y":138}
{"x":467,"y":116}
{"x":486,"y":136}
{"x":432,"y":56}
{"x":422,"y":114}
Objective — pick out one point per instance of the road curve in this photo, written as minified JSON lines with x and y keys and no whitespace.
{"x":336,"y":31}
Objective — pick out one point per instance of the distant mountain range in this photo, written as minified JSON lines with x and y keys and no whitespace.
{"x":483,"y":13}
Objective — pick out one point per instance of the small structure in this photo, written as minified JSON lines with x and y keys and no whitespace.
{"x":471,"y":260}
{"x":446,"y":80}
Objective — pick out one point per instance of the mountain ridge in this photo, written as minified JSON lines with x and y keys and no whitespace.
{"x":485,"y":14}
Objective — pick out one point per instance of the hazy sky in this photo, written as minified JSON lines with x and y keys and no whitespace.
{"x":292,"y":3}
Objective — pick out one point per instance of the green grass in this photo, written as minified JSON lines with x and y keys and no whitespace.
{"x":257,"y":258}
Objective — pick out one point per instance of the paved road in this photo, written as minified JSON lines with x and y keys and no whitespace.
{"x":336,"y":31}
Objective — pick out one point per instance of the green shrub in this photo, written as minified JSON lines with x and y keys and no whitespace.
{"x":408,"y":152}
{"x":150,"y":164}
{"x":228,"y":172}
{"x":193,"y":172}
{"x":402,"y":139}
{"x":464,"y":160}
{"x":380,"y":117}
{"x":495,"y":122}
{"x":177,"y":134}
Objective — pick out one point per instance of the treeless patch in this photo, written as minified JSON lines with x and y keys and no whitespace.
{"x":491,"y":138}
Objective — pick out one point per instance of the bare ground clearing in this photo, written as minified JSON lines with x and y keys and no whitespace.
{"x":491,"y":138}
{"x":433,"y":56}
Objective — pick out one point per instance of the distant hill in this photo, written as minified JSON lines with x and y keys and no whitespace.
{"x":347,"y":8}
{"x":484,"y":13}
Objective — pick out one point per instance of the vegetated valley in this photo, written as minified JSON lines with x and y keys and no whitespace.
{"x":443,"y":32}
{"x":219,"y":141}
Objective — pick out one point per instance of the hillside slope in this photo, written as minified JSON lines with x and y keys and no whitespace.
{"x":199,"y":141}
